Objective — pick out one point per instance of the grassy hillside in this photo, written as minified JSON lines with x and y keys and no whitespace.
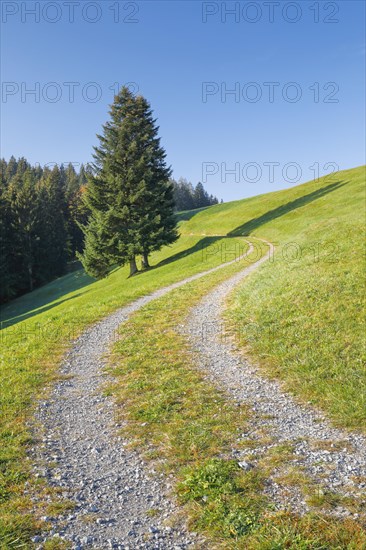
{"x":301,"y":316}
{"x":188,"y":428}
{"x":184,"y":423}
{"x":39,"y":327}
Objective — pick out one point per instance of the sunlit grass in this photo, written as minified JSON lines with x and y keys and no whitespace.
{"x":300,"y":317}
{"x":188,"y":429}
{"x":42,"y":325}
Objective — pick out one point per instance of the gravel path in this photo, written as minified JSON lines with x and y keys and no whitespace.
{"x":119,"y":501}
{"x":334,"y":459}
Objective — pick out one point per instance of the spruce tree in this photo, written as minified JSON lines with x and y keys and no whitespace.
{"x":201,"y":197}
{"x":23,"y":202}
{"x":128,"y":195}
{"x":72,"y":181}
{"x":39,"y":211}
{"x":186,"y":197}
{"x":73,"y":213}
{"x":11,"y":168}
{"x":156,"y":206}
{"x":8,"y":277}
{"x":53,"y":238}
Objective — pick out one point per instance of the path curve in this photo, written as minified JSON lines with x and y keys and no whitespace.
{"x":80,"y":454}
{"x":333,"y":458}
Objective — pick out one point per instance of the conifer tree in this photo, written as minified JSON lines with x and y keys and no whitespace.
{"x":11,"y":168}
{"x":128,"y":194}
{"x":201,"y":197}
{"x":72,"y":181}
{"x":53,"y":233}
{"x":156,"y":207}
{"x":7,"y":274}
{"x":74,"y":211}
{"x":186,"y":197}
{"x":39,"y":212}
{"x":25,"y":219}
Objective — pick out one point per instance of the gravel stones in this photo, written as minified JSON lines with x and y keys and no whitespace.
{"x":112,"y":489}
{"x":330,"y":456}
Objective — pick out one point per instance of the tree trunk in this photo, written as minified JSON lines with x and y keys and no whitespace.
{"x":145,"y":261}
{"x":133,"y":266}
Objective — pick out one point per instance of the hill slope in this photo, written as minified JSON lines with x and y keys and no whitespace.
{"x":302,"y":314}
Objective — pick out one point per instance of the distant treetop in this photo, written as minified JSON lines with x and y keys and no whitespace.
{"x":187,"y":197}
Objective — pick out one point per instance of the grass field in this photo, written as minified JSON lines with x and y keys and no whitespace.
{"x":311,"y":291}
{"x":39,"y":327}
{"x":301,"y":316}
{"x":188,"y":429}
{"x":184,"y":423}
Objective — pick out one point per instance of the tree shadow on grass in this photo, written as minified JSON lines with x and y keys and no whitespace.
{"x":251,"y":225}
{"x":36,"y":302}
{"x":200,"y":245}
{"x":186,"y":215}
{"x":248,"y":227}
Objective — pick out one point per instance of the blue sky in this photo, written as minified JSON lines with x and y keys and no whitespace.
{"x":183,"y":56}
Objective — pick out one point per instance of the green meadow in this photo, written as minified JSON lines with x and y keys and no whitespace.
{"x":300,"y":317}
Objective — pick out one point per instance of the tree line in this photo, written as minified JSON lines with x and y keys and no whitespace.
{"x":187,"y":197}
{"x":120,"y":207}
{"x":40,"y":212}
